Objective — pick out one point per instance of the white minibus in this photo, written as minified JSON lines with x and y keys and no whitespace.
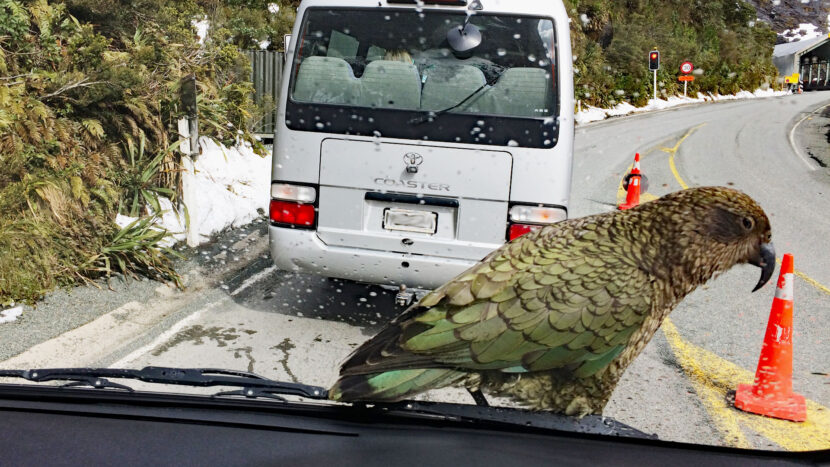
{"x":413,"y":138}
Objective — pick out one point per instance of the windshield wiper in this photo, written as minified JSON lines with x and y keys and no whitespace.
{"x":429,"y":116}
{"x":254,"y":386}
{"x":251,"y":385}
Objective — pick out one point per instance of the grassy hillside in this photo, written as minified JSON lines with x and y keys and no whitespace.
{"x":611,"y":40}
{"x":88,"y":107}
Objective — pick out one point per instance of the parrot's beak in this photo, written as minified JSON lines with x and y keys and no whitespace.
{"x":766,"y":261}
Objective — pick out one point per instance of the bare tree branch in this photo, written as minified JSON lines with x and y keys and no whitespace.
{"x":17,"y":76}
{"x":67,"y":87}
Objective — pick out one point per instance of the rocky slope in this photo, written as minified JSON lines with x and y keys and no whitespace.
{"x":788,"y":16}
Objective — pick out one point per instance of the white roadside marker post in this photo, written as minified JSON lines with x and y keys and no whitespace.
{"x":189,"y":131}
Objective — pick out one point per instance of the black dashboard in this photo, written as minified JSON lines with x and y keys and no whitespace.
{"x":61,"y":426}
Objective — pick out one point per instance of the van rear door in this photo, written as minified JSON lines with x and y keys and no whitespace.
{"x":416,"y":199}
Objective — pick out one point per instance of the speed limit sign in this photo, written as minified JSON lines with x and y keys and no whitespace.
{"x":686,"y":67}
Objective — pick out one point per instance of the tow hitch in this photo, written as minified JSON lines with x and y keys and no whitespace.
{"x":404,"y":297}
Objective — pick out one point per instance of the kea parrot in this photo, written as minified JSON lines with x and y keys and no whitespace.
{"x":553,"y":318}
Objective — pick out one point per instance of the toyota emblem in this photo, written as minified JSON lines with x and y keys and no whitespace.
{"x":412,"y":161}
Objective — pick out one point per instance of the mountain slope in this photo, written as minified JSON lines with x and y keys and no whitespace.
{"x":787,"y":17}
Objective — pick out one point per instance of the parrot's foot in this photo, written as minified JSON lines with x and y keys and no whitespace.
{"x":579,"y":407}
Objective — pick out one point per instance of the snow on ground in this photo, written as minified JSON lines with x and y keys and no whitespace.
{"x":7,"y":316}
{"x":593,"y":114}
{"x":231,"y":185}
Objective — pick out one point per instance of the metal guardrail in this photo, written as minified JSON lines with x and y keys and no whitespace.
{"x":266,"y":74}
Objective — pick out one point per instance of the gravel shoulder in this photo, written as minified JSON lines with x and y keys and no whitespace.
{"x":222,"y":263}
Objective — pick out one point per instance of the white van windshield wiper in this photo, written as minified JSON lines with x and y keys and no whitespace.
{"x":250,"y":384}
{"x":430,"y":116}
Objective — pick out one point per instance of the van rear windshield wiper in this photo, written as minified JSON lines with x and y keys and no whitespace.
{"x":250,"y":384}
{"x":433,"y":115}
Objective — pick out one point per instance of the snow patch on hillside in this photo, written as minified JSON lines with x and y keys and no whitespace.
{"x":803,"y":32}
{"x":594,"y":114}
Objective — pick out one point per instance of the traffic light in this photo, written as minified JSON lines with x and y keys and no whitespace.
{"x":654,"y":60}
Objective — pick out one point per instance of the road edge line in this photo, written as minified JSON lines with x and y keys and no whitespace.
{"x":812,"y":167}
{"x":170,"y":332}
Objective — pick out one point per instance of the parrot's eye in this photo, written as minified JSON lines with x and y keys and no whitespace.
{"x":749,"y":223}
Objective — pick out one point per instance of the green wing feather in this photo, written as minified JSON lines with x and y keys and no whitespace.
{"x":564,"y":297}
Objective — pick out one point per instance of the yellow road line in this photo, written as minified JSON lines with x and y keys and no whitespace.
{"x":811,"y":281}
{"x":712,"y":397}
{"x":676,"y":174}
{"x":673,"y":152}
{"x":712,"y":377}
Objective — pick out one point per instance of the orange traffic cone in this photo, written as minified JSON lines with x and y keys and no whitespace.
{"x":772,"y":394}
{"x":632,"y":198}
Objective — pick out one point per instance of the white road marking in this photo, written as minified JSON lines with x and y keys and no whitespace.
{"x":176,"y":328}
{"x":801,"y":156}
{"x":253,"y":280}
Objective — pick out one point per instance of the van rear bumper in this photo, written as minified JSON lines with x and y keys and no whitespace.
{"x":302,"y":251}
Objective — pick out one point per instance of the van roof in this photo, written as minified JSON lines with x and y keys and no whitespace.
{"x":554,"y":8}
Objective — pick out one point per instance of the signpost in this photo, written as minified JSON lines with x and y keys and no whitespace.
{"x":686,"y":68}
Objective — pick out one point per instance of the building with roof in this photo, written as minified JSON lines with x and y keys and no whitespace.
{"x":806,"y":62}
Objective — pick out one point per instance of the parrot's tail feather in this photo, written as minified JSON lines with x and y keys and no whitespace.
{"x":391,"y":386}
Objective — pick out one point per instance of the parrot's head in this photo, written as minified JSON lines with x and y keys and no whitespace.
{"x":718,"y":228}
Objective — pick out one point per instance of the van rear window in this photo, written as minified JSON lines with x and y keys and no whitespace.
{"x":401,"y":60}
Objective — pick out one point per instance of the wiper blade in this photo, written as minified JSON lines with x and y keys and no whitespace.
{"x":251,"y":384}
{"x":433,"y":115}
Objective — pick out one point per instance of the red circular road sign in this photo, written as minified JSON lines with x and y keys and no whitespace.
{"x":686,"y":67}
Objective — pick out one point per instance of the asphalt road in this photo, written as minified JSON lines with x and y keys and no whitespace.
{"x":239,"y":312}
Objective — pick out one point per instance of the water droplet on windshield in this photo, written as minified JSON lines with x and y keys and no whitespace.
{"x":513,"y":143}
{"x":501,"y":52}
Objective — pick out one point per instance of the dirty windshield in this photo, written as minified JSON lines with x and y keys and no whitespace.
{"x":402,"y":60}
{"x":393,"y":59}
{"x":611,"y":217}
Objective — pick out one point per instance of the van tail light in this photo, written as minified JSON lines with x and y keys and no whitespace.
{"x":524,"y":219}
{"x":293,"y":205}
{"x":518,"y":230}
{"x":293,"y":214}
